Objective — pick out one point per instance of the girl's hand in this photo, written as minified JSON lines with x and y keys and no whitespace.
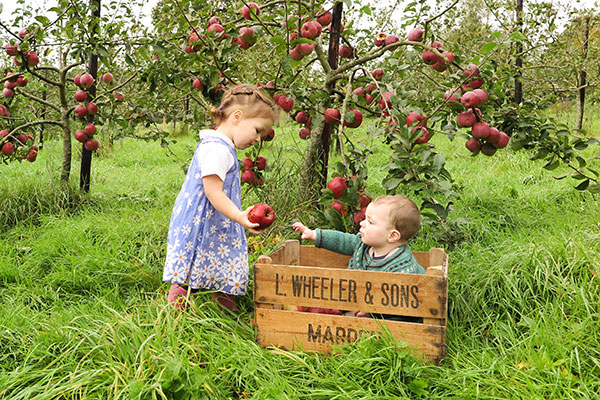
{"x":243,"y":220}
{"x":308,"y":234}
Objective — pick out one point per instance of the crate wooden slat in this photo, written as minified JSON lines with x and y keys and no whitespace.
{"x":306,"y":276}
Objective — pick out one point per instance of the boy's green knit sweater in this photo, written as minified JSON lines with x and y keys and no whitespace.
{"x":401,"y":260}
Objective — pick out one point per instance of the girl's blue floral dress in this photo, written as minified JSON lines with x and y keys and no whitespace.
{"x":205,"y":249}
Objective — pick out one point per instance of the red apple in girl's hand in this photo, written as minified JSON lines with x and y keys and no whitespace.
{"x":263,"y":215}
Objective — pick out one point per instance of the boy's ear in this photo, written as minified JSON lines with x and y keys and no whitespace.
{"x":394,"y":236}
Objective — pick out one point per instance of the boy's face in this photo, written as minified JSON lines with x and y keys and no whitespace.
{"x":376,"y":228}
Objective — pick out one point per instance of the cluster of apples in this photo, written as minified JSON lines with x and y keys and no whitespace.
{"x":303,"y":118}
{"x":13,"y":82}
{"x":88,"y":107}
{"x":483,"y":138}
{"x":18,"y":146}
{"x":20,"y":58}
{"x":338,"y":186}
{"x":309,"y":29}
{"x":286,"y":103}
{"x":252,"y":170}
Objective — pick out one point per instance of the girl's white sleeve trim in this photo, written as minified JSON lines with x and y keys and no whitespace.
{"x":214,"y":159}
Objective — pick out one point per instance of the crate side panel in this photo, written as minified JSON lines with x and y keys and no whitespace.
{"x":357,"y":290}
{"x":317,"y":257}
{"x":292,"y":330}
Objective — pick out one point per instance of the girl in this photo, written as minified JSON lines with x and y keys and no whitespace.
{"x":206,"y":246}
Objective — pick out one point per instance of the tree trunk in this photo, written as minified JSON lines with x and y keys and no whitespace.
{"x":583,"y":76}
{"x":519,"y":61}
{"x":316,"y":158}
{"x":86,"y":155}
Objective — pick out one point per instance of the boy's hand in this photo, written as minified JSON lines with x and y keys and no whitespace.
{"x":307,"y":234}
{"x":243,"y":220}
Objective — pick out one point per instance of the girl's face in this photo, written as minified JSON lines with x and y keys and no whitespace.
{"x":249,"y":131}
{"x":376,"y":228}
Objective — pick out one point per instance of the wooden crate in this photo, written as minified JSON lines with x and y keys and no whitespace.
{"x":297,"y":275}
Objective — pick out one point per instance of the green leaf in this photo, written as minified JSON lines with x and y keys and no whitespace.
{"x":489,"y":47}
{"x":518,"y":36}
{"x":366,"y":10}
{"x":583,"y":185}
{"x":550,"y":165}
{"x":595,"y":188}
{"x":563,"y":132}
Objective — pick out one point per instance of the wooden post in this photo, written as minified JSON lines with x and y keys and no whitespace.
{"x":519,"y":60}
{"x":583,"y":76}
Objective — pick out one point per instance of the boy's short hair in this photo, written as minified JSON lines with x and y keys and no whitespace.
{"x":404,"y":214}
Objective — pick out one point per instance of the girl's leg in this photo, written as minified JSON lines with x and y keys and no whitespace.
{"x":224,"y":300}
{"x":178,"y":296}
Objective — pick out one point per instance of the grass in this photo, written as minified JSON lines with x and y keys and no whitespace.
{"x":84,"y":314}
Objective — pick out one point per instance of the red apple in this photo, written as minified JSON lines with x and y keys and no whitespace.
{"x":332,"y":116}
{"x":10,"y":84}
{"x":246,"y":10}
{"x":214,"y":20}
{"x":91,"y":144}
{"x":295,"y":54}
{"x":8,"y":93}
{"x":473,"y":145}
{"x":369,"y":98}
{"x":80,"y":111}
{"x":424,"y":138}
{"x":248,"y":163}
{"x":197,"y":84}
{"x":86,"y":81}
{"x":466,"y":118}
{"x":471,"y":71}
{"x":363,"y":200}
{"x":415,"y":116}
{"x":286,"y":103}
{"x":481,"y":130}
{"x":379,"y":39}
{"x":92,"y":108}
{"x":502,"y":141}
{"x":309,"y":30}
{"x":385,"y":100}
{"x":301,"y":117}
{"x":338,"y":186}
{"x":248,"y":176}
{"x":305,"y":48}
{"x":81,"y":136}
{"x":475,"y":84}
{"x":81,"y":95}
{"x":482,"y":95}
{"x":269,"y":135}
{"x":377,"y":74}
{"x":4,"y":133}
{"x":11,"y":49}
{"x":415,"y":35}
{"x":23,"y":32}
{"x":32,"y":58}
{"x":469,"y":100}
{"x":359,"y":216}
{"x":339,"y":207}
{"x":345,"y":51}
{"x":304,"y":133}
{"x":118,"y":96}
{"x":356,"y":121}
{"x":324,"y":18}
{"x":429,"y":57}
{"x":261,"y":163}
{"x":31,"y":156}
{"x":77,"y":80}
{"x":389,"y":39}
{"x":262,"y":214}
{"x":22,"y":81}
{"x":8,"y":148}
{"x":90,"y":129}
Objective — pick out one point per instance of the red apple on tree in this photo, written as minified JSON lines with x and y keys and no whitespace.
{"x":247,"y":163}
{"x":261,"y":163}
{"x":390,"y":39}
{"x":338,"y":186}
{"x":480,"y":130}
{"x":324,"y":18}
{"x":304,"y":133}
{"x":269,"y":135}
{"x":379,"y":39}
{"x":32,"y":58}
{"x":466,"y":118}
{"x":473,"y":145}
{"x":91,"y":144}
{"x":339,"y":207}
{"x":469,"y":100}
{"x":8,"y":93}
{"x":107,"y":78}
{"x":197,"y":84}
{"x":8,"y":148}
{"x":354,"y":120}
{"x":86,"y":81}
{"x":11,"y":49}
{"x":424,"y":138}
{"x":246,"y":10}
{"x":332,"y":116}
{"x":262,"y":214}
{"x":80,"y":111}
{"x":92,"y":108}
{"x":80,"y":95}
{"x":502,"y":141}
{"x":22,"y":81}
{"x":90,"y":129}
{"x":377,"y":74}
{"x":415,"y":35}
{"x":248,"y":176}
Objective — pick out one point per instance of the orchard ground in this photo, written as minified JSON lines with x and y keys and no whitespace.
{"x":84,"y":311}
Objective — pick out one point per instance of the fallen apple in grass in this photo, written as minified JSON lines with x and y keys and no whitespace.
{"x":262,"y":214}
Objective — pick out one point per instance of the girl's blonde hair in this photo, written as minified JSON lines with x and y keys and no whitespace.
{"x":248,"y":98}
{"x":404,"y":214}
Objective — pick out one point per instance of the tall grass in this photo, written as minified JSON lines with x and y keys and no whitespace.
{"x":84,"y":313}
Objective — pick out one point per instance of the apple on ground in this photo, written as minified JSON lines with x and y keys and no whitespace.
{"x":261,"y":214}
{"x":338,"y":186}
